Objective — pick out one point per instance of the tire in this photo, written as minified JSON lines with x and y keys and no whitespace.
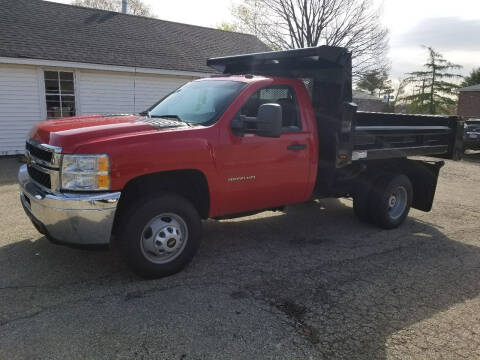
{"x":390,"y":200}
{"x":159,"y":235}
{"x":361,"y":201}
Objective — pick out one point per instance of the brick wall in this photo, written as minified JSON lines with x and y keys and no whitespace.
{"x":469,"y":104}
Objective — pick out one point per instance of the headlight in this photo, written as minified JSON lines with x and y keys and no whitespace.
{"x":85,"y":172}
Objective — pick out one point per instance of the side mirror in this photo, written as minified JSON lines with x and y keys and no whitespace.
{"x":268,"y":122}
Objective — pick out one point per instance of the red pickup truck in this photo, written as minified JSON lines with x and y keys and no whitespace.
{"x":274,"y":129}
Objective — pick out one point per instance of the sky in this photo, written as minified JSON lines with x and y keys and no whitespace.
{"x":452,"y":27}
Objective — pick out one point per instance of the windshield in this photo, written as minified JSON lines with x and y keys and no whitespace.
{"x":198,"y":102}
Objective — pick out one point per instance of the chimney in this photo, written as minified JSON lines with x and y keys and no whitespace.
{"x":124,"y":6}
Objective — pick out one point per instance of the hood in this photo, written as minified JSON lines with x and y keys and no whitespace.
{"x":69,"y":133}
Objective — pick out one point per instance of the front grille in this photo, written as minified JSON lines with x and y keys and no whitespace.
{"x":39,"y":153}
{"x":40,"y":177}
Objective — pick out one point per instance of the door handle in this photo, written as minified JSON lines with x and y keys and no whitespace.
{"x":296,"y":147}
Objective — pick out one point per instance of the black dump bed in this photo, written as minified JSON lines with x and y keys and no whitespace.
{"x":345,"y":135}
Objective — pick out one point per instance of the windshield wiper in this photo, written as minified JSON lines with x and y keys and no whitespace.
{"x":172,"y":116}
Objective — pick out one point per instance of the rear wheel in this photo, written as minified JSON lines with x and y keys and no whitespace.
{"x":159,"y":236}
{"x":390,"y":200}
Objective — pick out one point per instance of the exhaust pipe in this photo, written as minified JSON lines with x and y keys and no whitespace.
{"x":124,"y":6}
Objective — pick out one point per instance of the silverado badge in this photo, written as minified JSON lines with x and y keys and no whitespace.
{"x":241,"y":178}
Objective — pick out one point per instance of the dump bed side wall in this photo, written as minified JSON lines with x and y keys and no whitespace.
{"x":365,"y":118}
{"x":383,"y":136}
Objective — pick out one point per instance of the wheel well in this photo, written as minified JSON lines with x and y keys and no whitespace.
{"x":191,"y":184}
{"x":422,"y":174}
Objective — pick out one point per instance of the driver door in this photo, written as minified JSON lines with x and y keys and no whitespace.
{"x":259,"y":172}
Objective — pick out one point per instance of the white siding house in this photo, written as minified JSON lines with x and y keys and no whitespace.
{"x":23,"y":96}
{"x":20,"y":105}
{"x":59,"y":60}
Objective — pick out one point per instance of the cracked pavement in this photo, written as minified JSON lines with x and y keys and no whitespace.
{"x":311,"y":283}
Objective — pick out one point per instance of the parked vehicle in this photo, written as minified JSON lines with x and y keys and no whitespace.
{"x":471,"y":139}
{"x":274,"y":129}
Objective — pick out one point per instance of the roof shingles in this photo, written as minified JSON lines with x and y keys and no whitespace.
{"x":45,"y":30}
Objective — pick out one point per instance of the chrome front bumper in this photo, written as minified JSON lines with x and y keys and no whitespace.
{"x":69,"y":218}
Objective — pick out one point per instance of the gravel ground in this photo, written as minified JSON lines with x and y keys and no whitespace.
{"x":311,"y":283}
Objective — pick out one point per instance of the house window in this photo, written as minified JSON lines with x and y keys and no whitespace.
{"x":59,"y":94}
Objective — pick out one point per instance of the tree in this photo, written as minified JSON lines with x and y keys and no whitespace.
{"x":434,"y":89}
{"x":398,"y":90}
{"x":289,"y":24}
{"x":134,"y":7}
{"x":395,"y":91}
{"x":227,"y":27}
{"x":472,"y":79}
{"x":374,"y":80}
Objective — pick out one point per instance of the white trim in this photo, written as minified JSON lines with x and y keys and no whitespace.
{"x":42,"y":100}
{"x":76,"y":89}
{"x":79,"y":65}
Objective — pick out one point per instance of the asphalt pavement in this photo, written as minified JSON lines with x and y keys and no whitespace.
{"x":310,"y":283}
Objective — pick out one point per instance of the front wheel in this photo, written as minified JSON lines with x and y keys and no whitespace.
{"x":159,"y":236}
{"x":390,"y":200}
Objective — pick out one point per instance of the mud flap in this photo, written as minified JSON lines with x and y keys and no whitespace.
{"x":424,"y":176}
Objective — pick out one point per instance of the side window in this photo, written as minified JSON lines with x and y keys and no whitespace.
{"x":283,"y":95}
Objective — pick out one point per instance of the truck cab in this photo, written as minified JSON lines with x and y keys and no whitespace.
{"x":273,"y":129}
